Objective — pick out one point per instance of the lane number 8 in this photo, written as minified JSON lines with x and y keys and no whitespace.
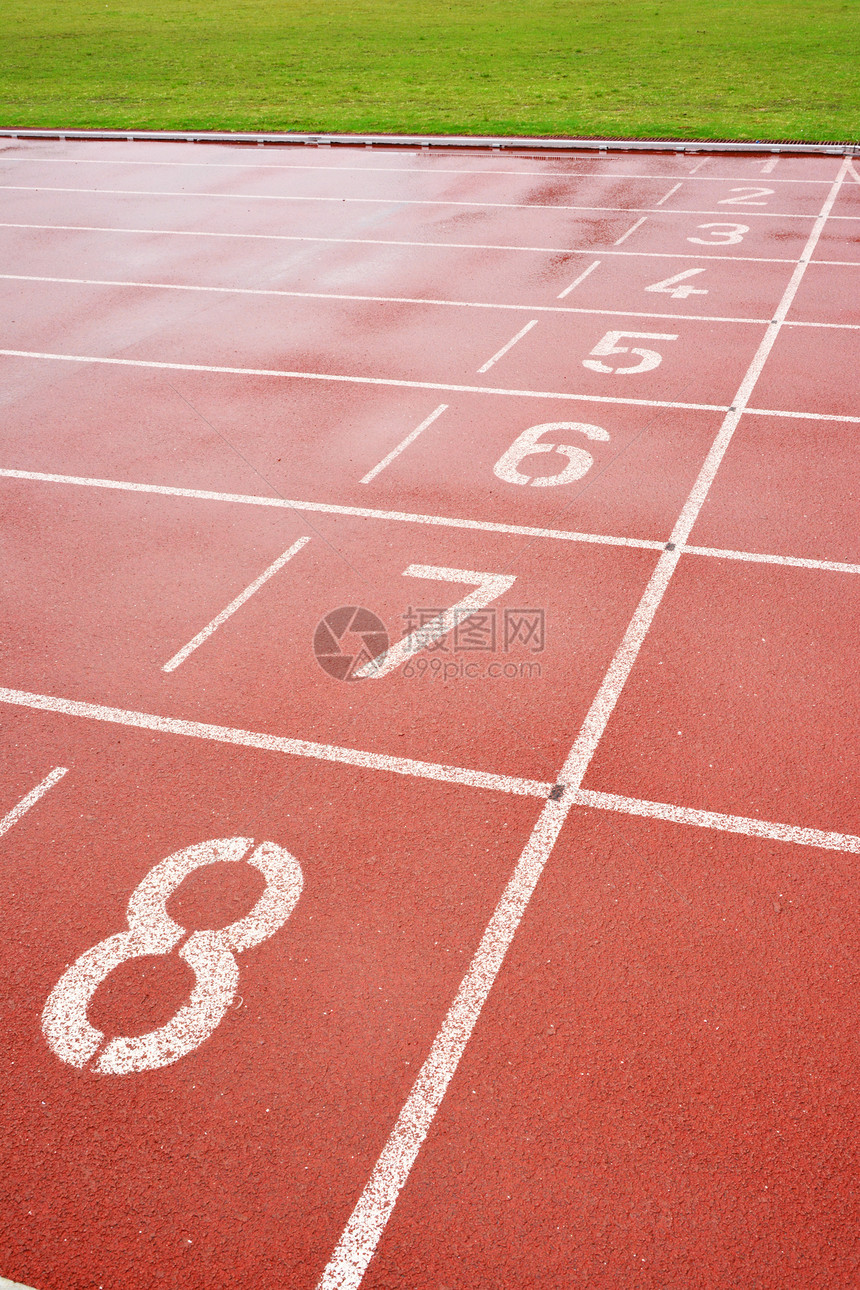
{"x":151,"y":930}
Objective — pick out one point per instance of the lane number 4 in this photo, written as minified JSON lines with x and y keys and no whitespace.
{"x":677,"y":287}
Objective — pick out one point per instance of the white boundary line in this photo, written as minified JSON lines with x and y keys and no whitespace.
{"x":561,"y":295}
{"x":13,"y":816}
{"x":417,"y":300}
{"x":442,"y":521}
{"x":181,"y":655}
{"x":404,"y":443}
{"x":632,"y":229}
{"x":670,"y":193}
{"x":714,"y":820}
{"x":401,"y":300}
{"x":501,"y":352}
{"x":358,"y":380}
{"x":323,"y":165}
{"x":276,"y":743}
{"x":430,"y":246}
{"x":799,"y":416}
{"x":405,"y":201}
{"x":368,"y":1220}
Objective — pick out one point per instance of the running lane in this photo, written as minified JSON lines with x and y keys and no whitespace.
{"x":428,"y":804}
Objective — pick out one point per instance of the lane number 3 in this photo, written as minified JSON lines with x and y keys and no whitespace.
{"x":151,"y":930}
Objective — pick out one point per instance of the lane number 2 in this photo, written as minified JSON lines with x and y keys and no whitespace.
{"x":678,"y":287}
{"x":649,"y":358}
{"x":579,"y":462}
{"x":749,"y":200}
{"x":151,"y":930}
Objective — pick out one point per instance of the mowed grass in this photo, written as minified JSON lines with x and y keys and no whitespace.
{"x":765,"y":69}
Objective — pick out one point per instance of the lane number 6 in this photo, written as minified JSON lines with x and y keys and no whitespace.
{"x":579,"y":462}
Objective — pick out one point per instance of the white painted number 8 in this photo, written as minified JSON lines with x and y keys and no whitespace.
{"x":579,"y":461}
{"x":151,"y":930}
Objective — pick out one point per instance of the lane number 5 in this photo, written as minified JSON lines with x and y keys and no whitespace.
{"x":649,"y":358}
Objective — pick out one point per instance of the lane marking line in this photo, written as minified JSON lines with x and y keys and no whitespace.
{"x":12,"y":817}
{"x":769,"y":166}
{"x":397,"y":202}
{"x":322,"y":167}
{"x":276,"y":743}
{"x":404,"y":444}
{"x":443,"y":521}
{"x":714,"y":820}
{"x":799,"y":416}
{"x":561,"y":295}
{"x":501,"y":353}
{"x":345,"y":1270}
{"x":434,"y":246}
{"x":357,"y":380}
{"x":400,"y":300}
{"x":181,"y":655}
{"x":624,"y":236}
{"x":332,"y":508}
{"x":668,"y":195}
{"x":792,"y":561}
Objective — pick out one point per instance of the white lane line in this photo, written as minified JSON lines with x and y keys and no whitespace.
{"x":4,"y":1284}
{"x":357,"y":380}
{"x":404,"y":444}
{"x":367,"y":1222}
{"x":501,"y":353}
{"x":668,"y":195}
{"x":322,"y":168}
{"x":800,"y":416}
{"x":432,"y":246}
{"x":396,"y":300}
{"x":331,"y":508}
{"x":793,"y":561}
{"x":181,"y":655}
{"x":389,"y":201}
{"x":441,"y":521}
{"x":13,"y":816}
{"x":576,"y":281}
{"x":275,"y":743}
{"x":769,"y":166}
{"x":624,"y":236}
{"x":713,"y":820}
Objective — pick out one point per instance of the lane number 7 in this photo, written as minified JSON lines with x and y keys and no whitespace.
{"x":489,"y":586}
{"x":609,"y":345}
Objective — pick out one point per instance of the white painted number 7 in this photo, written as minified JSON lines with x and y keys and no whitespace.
{"x":489,"y":587}
{"x":609,"y":345}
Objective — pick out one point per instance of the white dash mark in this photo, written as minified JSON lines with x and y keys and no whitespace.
{"x":624,"y":236}
{"x":410,"y":438}
{"x":668,"y":195}
{"x":32,"y":798}
{"x":207,"y":631}
{"x":501,"y":353}
{"x":576,"y":282}
{"x":698,"y":165}
{"x":769,"y":166}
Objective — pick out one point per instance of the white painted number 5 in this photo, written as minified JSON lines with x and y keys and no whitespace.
{"x":579,"y":462}
{"x":151,"y":930}
{"x":649,"y":358}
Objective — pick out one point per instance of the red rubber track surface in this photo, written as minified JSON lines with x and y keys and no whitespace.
{"x":645,"y":1073}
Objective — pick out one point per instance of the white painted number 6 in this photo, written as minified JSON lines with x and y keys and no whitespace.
{"x":151,"y":930}
{"x":579,"y":461}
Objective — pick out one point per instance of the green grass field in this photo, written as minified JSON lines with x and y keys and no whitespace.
{"x":765,"y":69}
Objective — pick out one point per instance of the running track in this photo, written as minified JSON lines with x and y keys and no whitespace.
{"x":547,"y":975}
